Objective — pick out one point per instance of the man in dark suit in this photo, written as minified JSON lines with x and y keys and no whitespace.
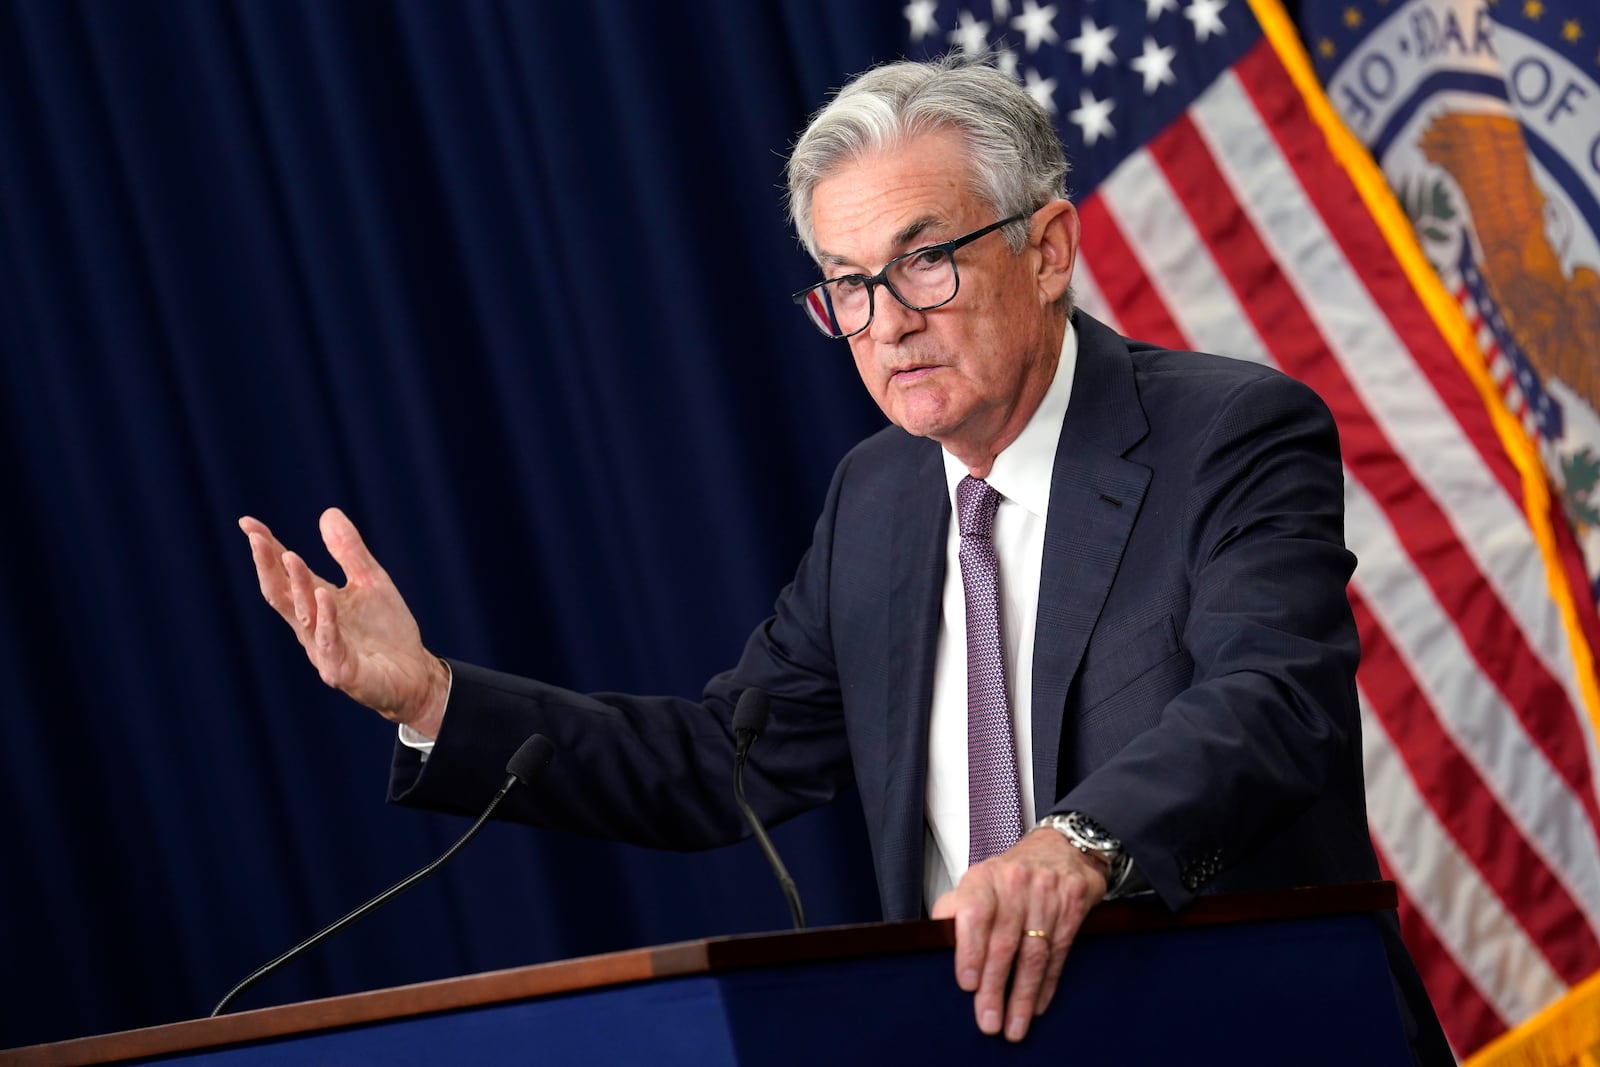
{"x":1075,"y":624}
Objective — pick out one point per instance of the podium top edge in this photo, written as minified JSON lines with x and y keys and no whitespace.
{"x":702,"y":956}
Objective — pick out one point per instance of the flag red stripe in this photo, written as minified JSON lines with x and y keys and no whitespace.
{"x":1479,"y":826}
{"x":1122,"y":279}
{"x":1353,"y":227}
{"x":1552,"y":723}
{"x":1491,"y":633}
{"x":1469,"y":1020}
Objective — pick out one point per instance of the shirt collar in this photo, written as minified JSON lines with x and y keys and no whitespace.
{"x":1022,"y":472}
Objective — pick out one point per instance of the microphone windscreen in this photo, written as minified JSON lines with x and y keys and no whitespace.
{"x":751,"y":711}
{"x":531,"y":758}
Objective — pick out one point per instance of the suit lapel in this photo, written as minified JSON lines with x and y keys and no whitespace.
{"x":919,"y":521}
{"x":1095,"y":496}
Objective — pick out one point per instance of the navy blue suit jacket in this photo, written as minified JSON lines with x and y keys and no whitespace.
{"x":1193,"y":667}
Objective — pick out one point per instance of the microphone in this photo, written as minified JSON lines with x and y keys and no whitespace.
{"x":749,"y":719}
{"x":525,"y":764}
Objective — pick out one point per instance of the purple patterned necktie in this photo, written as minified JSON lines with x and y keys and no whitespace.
{"x":996,"y":809}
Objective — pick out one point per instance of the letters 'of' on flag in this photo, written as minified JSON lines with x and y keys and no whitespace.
{"x":1227,"y":208}
{"x":1486,"y":121}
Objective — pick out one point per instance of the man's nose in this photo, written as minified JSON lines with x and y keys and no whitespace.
{"x":891,"y":320}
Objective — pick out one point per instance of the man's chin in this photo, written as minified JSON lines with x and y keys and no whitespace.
{"x":918,"y":408}
{"x":921,"y":424}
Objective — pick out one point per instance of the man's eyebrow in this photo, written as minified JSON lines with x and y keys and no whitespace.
{"x":915,"y":229}
{"x":908,"y":233}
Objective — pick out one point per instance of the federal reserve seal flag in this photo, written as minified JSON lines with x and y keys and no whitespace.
{"x":1485,"y":120}
{"x":1394,"y":203}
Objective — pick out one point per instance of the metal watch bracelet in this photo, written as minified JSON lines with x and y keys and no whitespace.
{"x":1092,"y":839}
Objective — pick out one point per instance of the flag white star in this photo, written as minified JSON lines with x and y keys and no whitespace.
{"x":1093,"y":46}
{"x":920,"y":14}
{"x":1154,"y":8}
{"x":1002,"y":9}
{"x":1093,"y":117}
{"x":1042,"y":90}
{"x":1006,"y":61}
{"x":1037,"y":25}
{"x":1155,"y":64}
{"x":1207,"y":18}
{"x":970,"y":35}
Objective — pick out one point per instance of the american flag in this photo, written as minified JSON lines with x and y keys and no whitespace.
{"x":1226,"y":208}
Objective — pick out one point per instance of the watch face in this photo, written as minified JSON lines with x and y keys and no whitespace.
{"x":1093,"y":834}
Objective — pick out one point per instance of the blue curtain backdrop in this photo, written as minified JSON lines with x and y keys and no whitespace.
{"x":505,"y":280}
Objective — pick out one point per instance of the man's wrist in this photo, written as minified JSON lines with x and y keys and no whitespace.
{"x":440,"y":681}
{"x":1096,"y":844}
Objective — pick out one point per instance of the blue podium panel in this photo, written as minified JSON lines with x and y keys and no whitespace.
{"x":1310,"y":992}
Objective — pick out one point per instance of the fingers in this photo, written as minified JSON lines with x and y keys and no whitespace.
{"x":1001,"y":954}
{"x":974,"y":920}
{"x":348,"y":549}
{"x":252,"y":525}
{"x":988,"y":930}
{"x":267,"y":555}
{"x":286,"y":582}
{"x":1060,"y":942}
{"x":306,"y":602}
{"x":1043,"y":885}
{"x":1023,"y":903}
{"x":327,"y":646}
{"x":302,"y":593}
{"x":1043,"y":945}
{"x":325,"y":621}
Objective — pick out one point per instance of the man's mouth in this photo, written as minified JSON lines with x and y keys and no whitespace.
{"x":913,"y":374}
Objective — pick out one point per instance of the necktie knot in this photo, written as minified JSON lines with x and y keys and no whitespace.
{"x":976,"y":502}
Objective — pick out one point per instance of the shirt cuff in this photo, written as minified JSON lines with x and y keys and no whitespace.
{"x":411,"y":739}
{"x":421,"y":742}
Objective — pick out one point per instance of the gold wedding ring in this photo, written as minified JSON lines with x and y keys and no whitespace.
{"x":1035,"y":933}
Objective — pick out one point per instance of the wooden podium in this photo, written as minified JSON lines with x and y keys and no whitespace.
{"x":1292,"y":977}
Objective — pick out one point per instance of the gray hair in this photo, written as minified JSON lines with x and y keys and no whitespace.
{"x":1018,"y":164}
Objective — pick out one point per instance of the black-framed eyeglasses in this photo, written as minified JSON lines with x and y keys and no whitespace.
{"x":922,"y":279}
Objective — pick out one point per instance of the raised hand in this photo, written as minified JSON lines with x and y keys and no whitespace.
{"x":360,"y":636}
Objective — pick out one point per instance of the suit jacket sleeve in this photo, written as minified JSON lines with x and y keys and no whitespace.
{"x":1249,"y":773}
{"x":654,"y":770}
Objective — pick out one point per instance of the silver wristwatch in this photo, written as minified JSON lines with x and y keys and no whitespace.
{"x":1093,"y":840}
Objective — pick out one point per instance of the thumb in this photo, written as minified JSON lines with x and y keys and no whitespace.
{"x":348,"y":549}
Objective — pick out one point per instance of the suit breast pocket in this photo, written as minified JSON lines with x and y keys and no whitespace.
{"x":1116,"y":660}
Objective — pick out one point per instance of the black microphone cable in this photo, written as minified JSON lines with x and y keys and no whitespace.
{"x":749,"y":719}
{"x":529,"y":759}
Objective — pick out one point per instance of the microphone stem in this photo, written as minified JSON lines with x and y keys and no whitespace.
{"x":790,"y":894}
{"x":370,"y":906}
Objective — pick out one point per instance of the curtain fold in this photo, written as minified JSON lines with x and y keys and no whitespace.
{"x":508,"y":282}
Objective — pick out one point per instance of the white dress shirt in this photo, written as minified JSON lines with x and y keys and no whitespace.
{"x":1021,"y":474}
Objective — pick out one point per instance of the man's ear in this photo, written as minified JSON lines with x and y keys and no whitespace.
{"x":1055,"y":227}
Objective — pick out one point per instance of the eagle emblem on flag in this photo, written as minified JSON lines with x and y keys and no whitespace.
{"x":1486,"y":120}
